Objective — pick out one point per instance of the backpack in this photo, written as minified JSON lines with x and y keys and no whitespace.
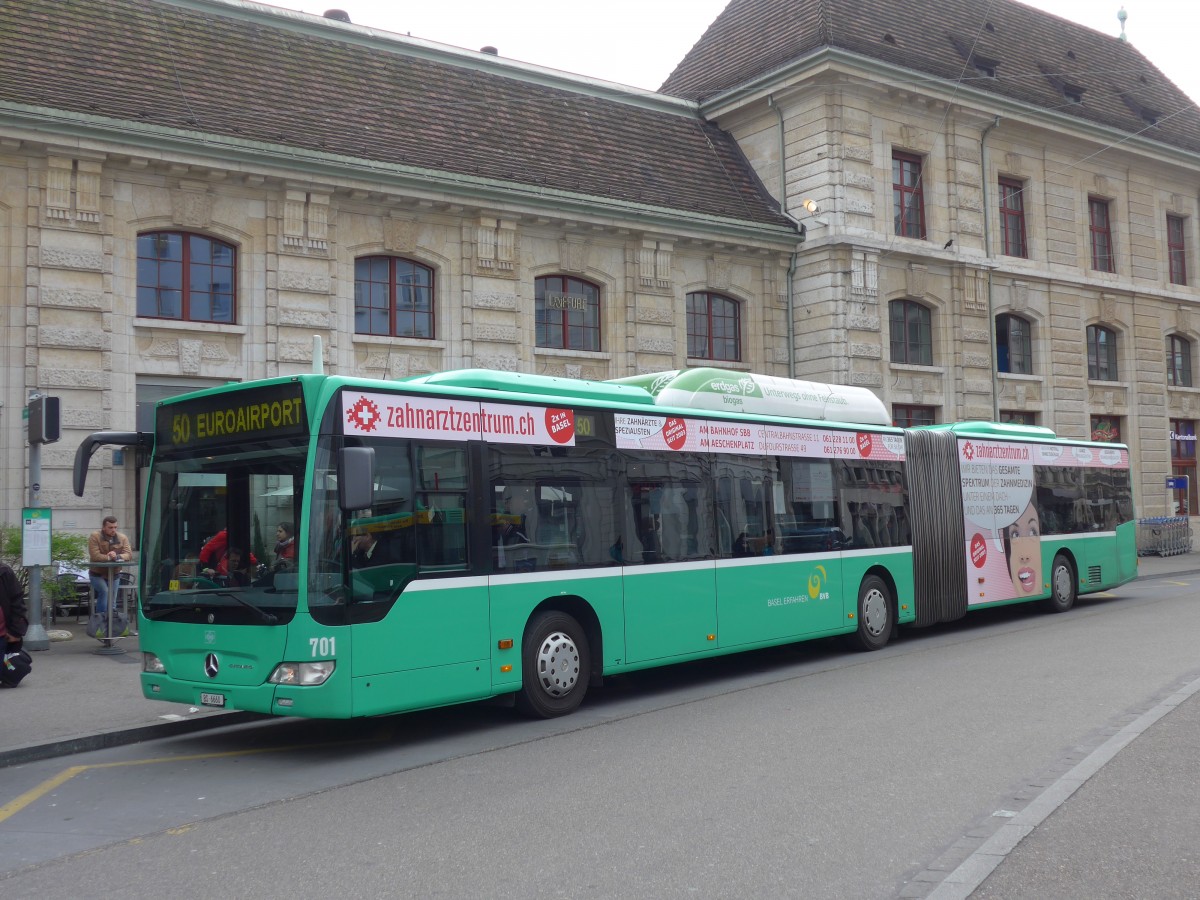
{"x":15,"y":666}
{"x":97,"y":625}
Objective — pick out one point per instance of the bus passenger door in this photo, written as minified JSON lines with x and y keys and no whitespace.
{"x":669,"y":574}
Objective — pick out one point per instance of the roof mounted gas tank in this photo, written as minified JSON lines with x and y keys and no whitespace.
{"x":744,"y":392}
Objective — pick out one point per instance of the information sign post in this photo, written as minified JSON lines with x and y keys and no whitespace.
{"x":1181,"y":483}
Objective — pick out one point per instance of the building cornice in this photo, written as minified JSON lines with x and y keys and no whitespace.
{"x":988,"y":104}
{"x":92,"y":133}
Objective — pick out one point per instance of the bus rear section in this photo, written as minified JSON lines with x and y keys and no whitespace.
{"x":1010,"y":514}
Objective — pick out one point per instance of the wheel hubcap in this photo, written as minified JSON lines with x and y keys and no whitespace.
{"x":1062,"y":582}
{"x":875,"y":612}
{"x":558,"y":664}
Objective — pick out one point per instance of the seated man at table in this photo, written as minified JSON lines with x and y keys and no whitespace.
{"x":106,"y":545}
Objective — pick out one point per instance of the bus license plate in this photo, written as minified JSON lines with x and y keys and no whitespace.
{"x":212,"y":699}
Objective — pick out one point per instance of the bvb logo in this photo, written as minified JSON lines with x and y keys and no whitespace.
{"x":816,"y":582}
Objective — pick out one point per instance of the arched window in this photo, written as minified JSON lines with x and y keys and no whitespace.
{"x":393,"y":297}
{"x":714,"y":328}
{"x":912,"y":333}
{"x":188,"y":277}
{"x":567,"y":313}
{"x":1014,"y":344}
{"x":1102,"y":353}
{"x":1179,"y":361}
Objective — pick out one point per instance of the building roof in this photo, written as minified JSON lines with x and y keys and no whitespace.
{"x":250,"y":74}
{"x":1037,"y":58}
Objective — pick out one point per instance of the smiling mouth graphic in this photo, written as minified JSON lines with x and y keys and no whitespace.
{"x":1025,"y":575}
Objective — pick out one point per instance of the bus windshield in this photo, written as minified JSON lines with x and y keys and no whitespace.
{"x":417,"y":525}
{"x":220,"y":535}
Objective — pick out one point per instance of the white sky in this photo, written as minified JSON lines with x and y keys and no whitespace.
{"x":639,"y":42}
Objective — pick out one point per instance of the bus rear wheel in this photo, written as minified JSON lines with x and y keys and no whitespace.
{"x":875,"y":619}
{"x":1063,"y":589}
{"x":556,"y":665}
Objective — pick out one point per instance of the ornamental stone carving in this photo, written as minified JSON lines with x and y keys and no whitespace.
{"x":977,"y":360}
{"x":299,"y":352}
{"x":190,"y":356}
{"x":655,"y":345}
{"x":496,"y":247}
{"x":493,"y":300}
{"x":864,"y":275}
{"x":304,"y":283}
{"x":573,"y":254}
{"x":497,"y":362}
{"x":306,"y":318}
{"x":859,"y":153}
{"x":916,"y":277}
{"x":863,"y":322}
{"x":866,"y":351}
{"x":654,"y":264}
{"x":506,"y":334}
{"x":67,"y":258}
{"x":67,"y":298}
{"x":191,"y":209}
{"x":719,"y":268}
{"x":650,"y":315}
{"x":976,"y":336}
{"x":75,"y":338}
{"x":1019,"y":295}
{"x":399,"y":235}
{"x":866,"y":379}
{"x":74,"y":378}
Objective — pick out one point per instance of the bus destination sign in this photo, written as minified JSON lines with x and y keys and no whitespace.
{"x":261,"y":413}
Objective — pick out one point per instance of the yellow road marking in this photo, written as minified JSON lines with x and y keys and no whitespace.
{"x":32,"y":795}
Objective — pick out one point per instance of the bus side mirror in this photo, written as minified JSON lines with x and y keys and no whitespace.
{"x":356,"y":478}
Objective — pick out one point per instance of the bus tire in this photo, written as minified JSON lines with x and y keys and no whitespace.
{"x":556,"y":666}
{"x":1063,"y":589}
{"x":875,"y":615}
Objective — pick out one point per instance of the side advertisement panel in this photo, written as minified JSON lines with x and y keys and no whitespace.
{"x":433,"y":418}
{"x":1003,"y":526}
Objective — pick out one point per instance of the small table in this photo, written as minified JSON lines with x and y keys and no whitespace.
{"x":109,"y":647}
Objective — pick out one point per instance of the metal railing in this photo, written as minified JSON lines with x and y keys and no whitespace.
{"x":1164,"y":536}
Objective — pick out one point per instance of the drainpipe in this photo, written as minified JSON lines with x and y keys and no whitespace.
{"x":987,"y":250}
{"x":791,"y":296}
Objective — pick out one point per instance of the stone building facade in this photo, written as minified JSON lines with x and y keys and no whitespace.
{"x":507,"y":184}
{"x":1054,"y":227}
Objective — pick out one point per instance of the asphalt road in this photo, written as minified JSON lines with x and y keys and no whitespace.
{"x":797,"y":772}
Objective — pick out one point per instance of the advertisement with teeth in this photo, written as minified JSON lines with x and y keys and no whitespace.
{"x":1002,"y":521}
{"x":1003,"y":531}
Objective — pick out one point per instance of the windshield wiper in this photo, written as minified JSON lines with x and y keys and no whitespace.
{"x":269,"y":618}
{"x":156,"y":614}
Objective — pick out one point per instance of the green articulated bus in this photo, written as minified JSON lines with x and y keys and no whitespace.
{"x":474,"y":534}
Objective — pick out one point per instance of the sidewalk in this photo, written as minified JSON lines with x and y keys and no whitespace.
{"x":77,"y":700}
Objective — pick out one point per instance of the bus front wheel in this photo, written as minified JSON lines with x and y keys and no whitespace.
{"x":1063,"y":590}
{"x":556,"y":666}
{"x":874,"y":615}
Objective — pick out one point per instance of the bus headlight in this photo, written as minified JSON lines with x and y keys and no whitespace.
{"x":305,"y":673}
{"x":151,"y":663}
